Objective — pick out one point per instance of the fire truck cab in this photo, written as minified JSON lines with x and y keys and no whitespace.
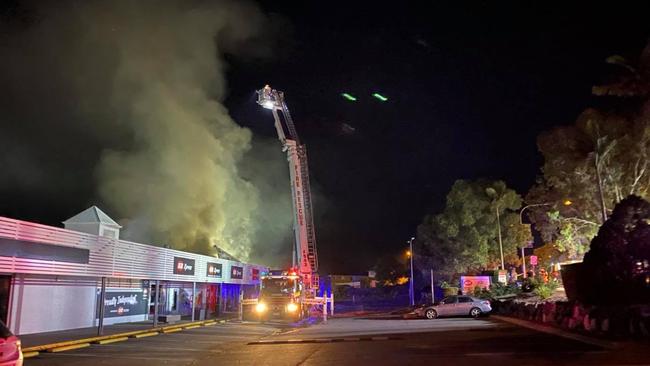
{"x":281,"y":297}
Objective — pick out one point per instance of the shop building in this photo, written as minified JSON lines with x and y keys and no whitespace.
{"x":50,"y":278}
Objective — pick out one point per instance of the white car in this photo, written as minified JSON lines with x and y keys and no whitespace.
{"x":455,"y":306}
{"x":10,"y":352}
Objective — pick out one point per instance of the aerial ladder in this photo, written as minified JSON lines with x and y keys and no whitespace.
{"x":304,"y":256}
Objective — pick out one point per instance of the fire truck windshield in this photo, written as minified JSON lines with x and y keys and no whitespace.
{"x":278,"y":286}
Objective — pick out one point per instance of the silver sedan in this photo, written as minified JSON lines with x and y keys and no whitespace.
{"x":455,"y":306}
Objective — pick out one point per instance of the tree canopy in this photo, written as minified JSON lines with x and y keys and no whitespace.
{"x":464,"y":237}
{"x":596,"y":162}
{"x":616,"y":267}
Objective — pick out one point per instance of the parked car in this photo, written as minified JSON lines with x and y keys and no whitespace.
{"x":10,"y":351}
{"x":455,"y":306}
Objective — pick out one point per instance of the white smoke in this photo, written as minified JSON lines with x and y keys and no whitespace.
{"x":139,"y":84}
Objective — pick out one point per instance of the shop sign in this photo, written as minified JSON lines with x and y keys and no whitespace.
{"x":183,"y":266}
{"x":123,"y":303}
{"x":214,"y":270}
{"x":236,"y":273}
{"x":255,"y":274}
{"x":469,"y":283}
{"x":503,"y":276}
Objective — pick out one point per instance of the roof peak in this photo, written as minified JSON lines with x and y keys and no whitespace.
{"x":92,"y":215}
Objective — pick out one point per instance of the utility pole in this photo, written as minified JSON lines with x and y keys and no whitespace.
{"x":411,"y":290}
{"x":433,"y":294}
{"x":492,"y":193}
{"x":523,"y":262}
{"x":503,"y":267}
{"x":601,"y":196}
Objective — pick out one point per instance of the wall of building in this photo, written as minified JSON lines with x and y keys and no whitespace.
{"x":45,"y":304}
{"x":57,"y":274}
{"x":105,"y":257}
{"x":42,"y":303}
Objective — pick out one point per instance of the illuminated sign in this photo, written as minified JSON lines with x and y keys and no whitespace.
{"x":214,"y":270}
{"x":123,"y":303}
{"x":469,"y":283}
{"x":255,"y":274}
{"x":236,"y":273}
{"x":183,"y":266}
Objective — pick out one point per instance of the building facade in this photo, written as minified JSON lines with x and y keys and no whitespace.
{"x":50,"y":278}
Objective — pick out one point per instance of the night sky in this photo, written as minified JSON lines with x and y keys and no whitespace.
{"x":469,"y":87}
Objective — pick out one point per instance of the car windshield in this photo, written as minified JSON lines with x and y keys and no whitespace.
{"x":277,"y":286}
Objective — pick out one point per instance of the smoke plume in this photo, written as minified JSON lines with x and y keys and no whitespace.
{"x":130,"y":93}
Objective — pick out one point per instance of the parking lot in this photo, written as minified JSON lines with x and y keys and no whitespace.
{"x":180,"y":348}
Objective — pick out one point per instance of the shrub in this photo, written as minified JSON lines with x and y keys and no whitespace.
{"x":497,"y":290}
{"x":544,"y":290}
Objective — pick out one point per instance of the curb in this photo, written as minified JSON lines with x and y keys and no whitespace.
{"x":85,"y":342}
{"x":30,"y":354}
{"x":68,"y":348}
{"x":113,"y":340}
{"x":558,"y":332}
{"x":173,"y":330}
{"x":143,"y":335}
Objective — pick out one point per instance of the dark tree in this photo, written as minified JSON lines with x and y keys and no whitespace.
{"x":616,"y":268}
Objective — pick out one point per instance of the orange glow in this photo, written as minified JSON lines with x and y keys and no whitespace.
{"x":402,"y":280}
{"x":408,"y":253}
{"x":567,"y":203}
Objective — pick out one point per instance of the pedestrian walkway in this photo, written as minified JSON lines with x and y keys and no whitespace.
{"x":36,"y":339}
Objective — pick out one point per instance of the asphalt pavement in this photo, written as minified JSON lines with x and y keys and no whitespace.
{"x":352,"y":341}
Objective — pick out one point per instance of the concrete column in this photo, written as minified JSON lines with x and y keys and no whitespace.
{"x":102,"y":296}
{"x":155,"y":304}
{"x":193,"y":299}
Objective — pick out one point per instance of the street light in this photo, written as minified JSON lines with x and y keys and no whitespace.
{"x":566,"y":202}
{"x":410,"y":254}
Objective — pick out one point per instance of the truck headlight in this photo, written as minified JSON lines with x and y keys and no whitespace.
{"x":292,"y":307}
{"x":261,"y":307}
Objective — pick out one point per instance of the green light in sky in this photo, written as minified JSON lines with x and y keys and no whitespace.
{"x":380,"y":97}
{"x":349,"y":97}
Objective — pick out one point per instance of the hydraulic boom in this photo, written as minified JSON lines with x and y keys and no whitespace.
{"x":304,"y":254}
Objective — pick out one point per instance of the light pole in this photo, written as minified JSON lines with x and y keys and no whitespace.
{"x":411,"y":292}
{"x":566,"y":202}
{"x":491,"y":192}
{"x":521,"y":222}
{"x":503,"y":266}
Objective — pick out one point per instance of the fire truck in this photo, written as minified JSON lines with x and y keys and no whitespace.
{"x":288,"y":294}
{"x":282,"y":297}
